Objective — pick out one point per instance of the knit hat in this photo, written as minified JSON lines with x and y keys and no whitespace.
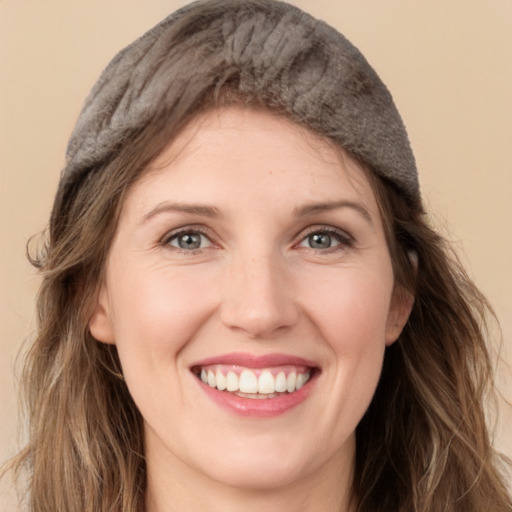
{"x":267,"y":50}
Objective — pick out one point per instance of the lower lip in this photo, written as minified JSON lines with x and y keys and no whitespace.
{"x":259,"y":408}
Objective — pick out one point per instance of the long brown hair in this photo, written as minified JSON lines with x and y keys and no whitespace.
{"x":423,"y":444}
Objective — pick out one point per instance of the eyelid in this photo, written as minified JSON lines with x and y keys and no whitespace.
{"x":188,"y":228}
{"x":325,"y":228}
{"x":344,"y":238}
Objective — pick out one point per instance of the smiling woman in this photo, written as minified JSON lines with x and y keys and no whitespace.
{"x":228,"y":326}
{"x":243,"y":304}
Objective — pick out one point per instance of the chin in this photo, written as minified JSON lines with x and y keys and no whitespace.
{"x":258,"y":475}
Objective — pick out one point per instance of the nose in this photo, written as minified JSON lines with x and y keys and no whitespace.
{"x":258,"y":297}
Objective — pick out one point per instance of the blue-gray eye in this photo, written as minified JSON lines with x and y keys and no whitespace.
{"x":189,"y":241}
{"x":320,"y":241}
{"x":325,"y":240}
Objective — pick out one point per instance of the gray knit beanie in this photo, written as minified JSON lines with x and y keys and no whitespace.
{"x":264,"y":49}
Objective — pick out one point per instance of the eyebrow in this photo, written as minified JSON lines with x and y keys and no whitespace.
{"x":213,"y":212}
{"x":194,"y":209}
{"x":333,"y":205}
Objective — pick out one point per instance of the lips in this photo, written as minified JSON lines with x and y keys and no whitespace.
{"x":256,"y":385}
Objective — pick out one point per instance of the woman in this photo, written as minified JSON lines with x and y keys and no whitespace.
{"x":243,"y":304}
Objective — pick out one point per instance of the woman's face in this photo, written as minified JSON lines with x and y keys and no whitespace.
{"x":250,"y":294}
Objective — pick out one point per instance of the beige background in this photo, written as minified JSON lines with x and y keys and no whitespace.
{"x":447,"y":63}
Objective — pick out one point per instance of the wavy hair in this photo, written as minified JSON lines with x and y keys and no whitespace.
{"x":423,"y":444}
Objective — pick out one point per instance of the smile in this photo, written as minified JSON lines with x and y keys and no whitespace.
{"x":255,"y":383}
{"x":257,"y":386}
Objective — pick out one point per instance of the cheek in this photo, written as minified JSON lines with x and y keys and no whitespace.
{"x":156,"y":312}
{"x":352,"y":320}
{"x":356,"y":335}
{"x":351,"y":309}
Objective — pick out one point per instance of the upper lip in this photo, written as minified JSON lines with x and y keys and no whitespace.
{"x":254,"y":361}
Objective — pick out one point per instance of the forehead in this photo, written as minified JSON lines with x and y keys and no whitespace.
{"x":257,"y":155}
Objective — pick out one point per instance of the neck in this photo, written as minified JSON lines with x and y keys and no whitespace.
{"x":177,"y":487}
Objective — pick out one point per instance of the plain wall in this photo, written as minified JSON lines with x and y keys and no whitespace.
{"x":446,"y":62}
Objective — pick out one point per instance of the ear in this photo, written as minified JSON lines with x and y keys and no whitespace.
{"x":100,"y":323}
{"x":402,"y":302}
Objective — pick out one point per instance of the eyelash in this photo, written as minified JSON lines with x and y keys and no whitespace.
{"x":189,"y":230}
{"x":344,"y":239}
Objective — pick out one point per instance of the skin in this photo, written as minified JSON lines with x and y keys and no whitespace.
{"x":256,"y":286}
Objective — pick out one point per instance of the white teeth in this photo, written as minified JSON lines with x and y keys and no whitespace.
{"x":221,"y":380}
{"x":232,"y":381}
{"x":301,"y":380}
{"x":280,"y":384}
{"x":266,"y":384}
{"x":290,"y":382}
{"x":248,"y":382}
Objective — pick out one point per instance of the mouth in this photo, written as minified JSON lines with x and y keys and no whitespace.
{"x":256,"y":385}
